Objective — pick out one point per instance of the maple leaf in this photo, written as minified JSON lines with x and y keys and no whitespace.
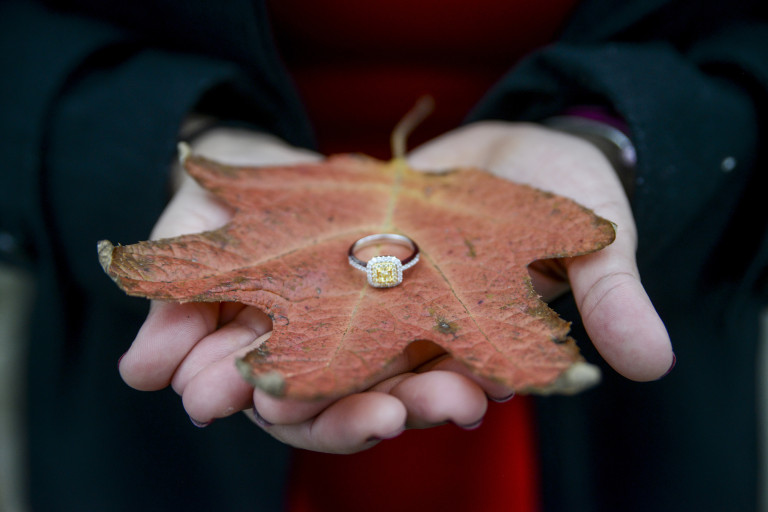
{"x":285,"y":252}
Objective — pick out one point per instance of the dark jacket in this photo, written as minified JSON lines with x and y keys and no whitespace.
{"x":92,"y":95}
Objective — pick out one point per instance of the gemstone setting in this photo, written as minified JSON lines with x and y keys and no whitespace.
{"x":384,"y":271}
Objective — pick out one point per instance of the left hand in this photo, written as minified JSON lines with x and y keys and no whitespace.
{"x":616,"y":311}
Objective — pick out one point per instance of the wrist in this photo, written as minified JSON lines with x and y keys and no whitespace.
{"x":606,"y":136}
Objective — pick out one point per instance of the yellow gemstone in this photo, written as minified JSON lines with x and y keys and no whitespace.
{"x":384,"y":272}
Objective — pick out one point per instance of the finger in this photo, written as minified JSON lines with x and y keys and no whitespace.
{"x":281,"y":411}
{"x":238,"y":146}
{"x":494,"y":390}
{"x":192,"y":210}
{"x":351,"y":424}
{"x":217,"y":390}
{"x":168,"y":334}
{"x":618,"y":315}
{"x":244,"y":331}
{"x":436,"y":397}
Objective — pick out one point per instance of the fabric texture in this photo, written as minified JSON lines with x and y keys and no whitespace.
{"x":91,"y":109}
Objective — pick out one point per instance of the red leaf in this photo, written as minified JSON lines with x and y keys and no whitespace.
{"x":285,"y":251}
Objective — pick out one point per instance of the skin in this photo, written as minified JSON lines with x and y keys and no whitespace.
{"x":192,"y":347}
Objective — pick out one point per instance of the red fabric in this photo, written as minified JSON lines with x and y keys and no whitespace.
{"x":359,"y":66}
{"x":490,"y":469}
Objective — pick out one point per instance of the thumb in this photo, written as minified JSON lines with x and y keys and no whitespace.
{"x":194,"y":209}
{"x":618,"y":314}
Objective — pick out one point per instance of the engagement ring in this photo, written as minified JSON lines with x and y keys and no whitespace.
{"x":384,"y":271}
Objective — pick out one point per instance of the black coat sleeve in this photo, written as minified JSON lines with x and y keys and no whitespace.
{"x":92,"y":109}
{"x":694,"y":109}
{"x":695,"y":106}
{"x":691,"y":81}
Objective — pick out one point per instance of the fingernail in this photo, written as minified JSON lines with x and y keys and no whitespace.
{"x":260,"y":421}
{"x":471,"y":426}
{"x":199,"y":424}
{"x":120,"y":359}
{"x":388,"y":436}
{"x":503,"y":399}
{"x":672,"y":366}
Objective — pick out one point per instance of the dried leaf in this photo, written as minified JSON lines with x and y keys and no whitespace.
{"x":285,"y":252}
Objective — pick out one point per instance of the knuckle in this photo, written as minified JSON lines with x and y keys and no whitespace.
{"x":603,"y":288}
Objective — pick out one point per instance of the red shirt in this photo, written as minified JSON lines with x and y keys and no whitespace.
{"x":360,"y":66}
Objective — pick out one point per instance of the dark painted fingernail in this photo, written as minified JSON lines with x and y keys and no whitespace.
{"x":260,"y":421}
{"x":503,"y":399}
{"x":199,"y":424}
{"x":471,"y":426}
{"x":672,"y":366}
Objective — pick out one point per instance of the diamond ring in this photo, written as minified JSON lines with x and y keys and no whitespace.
{"x":384,"y":271}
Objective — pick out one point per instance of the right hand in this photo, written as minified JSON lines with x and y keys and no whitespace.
{"x":193,"y":346}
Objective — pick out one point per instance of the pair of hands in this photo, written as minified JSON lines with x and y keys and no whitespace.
{"x":192,"y":347}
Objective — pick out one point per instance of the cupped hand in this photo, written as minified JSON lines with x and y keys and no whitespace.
{"x":617,"y":313}
{"x":193,"y":347}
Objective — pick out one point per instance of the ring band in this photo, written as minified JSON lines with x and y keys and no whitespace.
{"x":384,"y":271}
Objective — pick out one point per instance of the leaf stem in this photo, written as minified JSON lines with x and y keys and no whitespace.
{"x":423,"y":107}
